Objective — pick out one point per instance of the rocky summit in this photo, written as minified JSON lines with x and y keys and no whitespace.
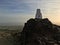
{"x":38,"y":32}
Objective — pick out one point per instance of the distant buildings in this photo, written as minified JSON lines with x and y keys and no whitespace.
{"x":38,"y":14}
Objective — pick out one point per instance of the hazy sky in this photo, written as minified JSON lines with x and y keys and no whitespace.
{"x":19,"y":11}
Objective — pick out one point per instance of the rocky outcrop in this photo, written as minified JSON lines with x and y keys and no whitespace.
{"x":37,"y":32}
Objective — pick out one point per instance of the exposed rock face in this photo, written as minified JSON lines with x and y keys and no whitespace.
{"x":37,"y":32}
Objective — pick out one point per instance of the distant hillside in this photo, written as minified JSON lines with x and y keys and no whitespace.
{"x":19,"y":27}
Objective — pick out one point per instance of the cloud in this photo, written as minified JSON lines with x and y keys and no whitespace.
{"x":25,"y":5}
{"x":14,"y":10}
{"x":13,"y":5}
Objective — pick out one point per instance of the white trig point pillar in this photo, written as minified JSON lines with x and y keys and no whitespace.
{"x":38,"y":14}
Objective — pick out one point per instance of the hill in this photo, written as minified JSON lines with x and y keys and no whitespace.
{"x":38,"y":32}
